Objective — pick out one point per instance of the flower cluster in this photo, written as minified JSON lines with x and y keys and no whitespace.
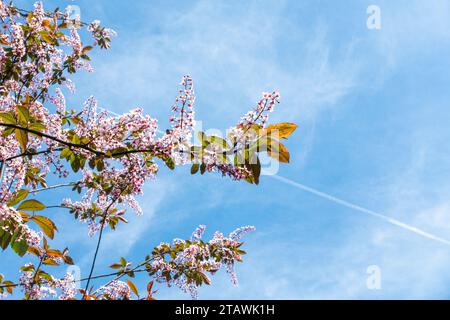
{"x":32,"y":291}
{"x":102,"y":36}
{"x":258,"y":114}
{"x":38,"y":289}
{"x":177,"y":141}
{"x":105,"y":158}
{"x":11,"y":223}
{"x":67,"y":286}
{"x":116,"y":290}
{"x":183,"y":108}
{"x":29,"y":69}
{"x":191,"y":260}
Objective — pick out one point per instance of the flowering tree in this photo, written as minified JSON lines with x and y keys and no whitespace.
{"x":105,"y":160}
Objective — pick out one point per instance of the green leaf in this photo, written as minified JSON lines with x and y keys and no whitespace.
{"x":76,"y":139}
{"x":37,"y":127}
{"x":31,"y":205}
{"x":202,"y":137}
{"x":194,"y":168}
{"x":100,"y":165}
{"x":203,"y":168}
{"x":46,"y":37}
{"x":5,"y":239}
{"x":22,"y":137}
{"x":46,"y":225}
{"x":65,"y":153}
{"x":169,"y":163}
{"x":75,"y":164}
{"x":91,"y":163}
{"x":23,"y":115}
{"x":19,"y":196}
{"x":219,"y":142}
{"x":20,"y":247}
{"x":7,"y":118}
{"x":27,"y":268}
{"x":119,"y":152}
{"x":7,"y":132}
{"x":256,"y":170}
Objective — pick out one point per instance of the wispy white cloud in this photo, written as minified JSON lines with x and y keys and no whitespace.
{"x":123,"y":240}
{"x":233,"y":56}
{"x":126,"y":236}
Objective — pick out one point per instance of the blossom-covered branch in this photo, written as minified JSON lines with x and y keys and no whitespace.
{"x":184,"y":263}
{"x":106,"y":159}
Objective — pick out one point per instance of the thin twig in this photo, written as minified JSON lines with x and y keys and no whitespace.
{"x":119,"y":273}
{"x":2,"y":169}
{"x":52,"y":187}
{"x":98,"y":243}
{"x":28,"y":153}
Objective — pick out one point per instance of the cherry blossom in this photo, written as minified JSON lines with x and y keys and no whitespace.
{"x":104,"y":160}
{"x":117,"y":290}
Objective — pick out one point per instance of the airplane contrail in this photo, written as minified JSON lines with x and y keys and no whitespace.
{"x":361,"y":209}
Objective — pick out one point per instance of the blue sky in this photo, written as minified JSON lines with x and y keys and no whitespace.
{"x":373,"y":113}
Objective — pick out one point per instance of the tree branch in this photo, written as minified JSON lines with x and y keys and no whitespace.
{"x":25,"y":154}
{"x":44,"y":135}
{"x":98,"y":243}
{"x":71,"y":145}
{"x":52,"y":187}
{"x":119,"y":273}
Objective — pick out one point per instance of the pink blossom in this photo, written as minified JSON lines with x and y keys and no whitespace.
{"x":198,"y":233}
{"x":116,"y":290}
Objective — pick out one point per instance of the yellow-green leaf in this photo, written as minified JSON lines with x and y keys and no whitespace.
{"x":31,"y":205}
{"x":133,"y":287}
{"x":278,"y":151}
{"x":46,"y":36}
{"x":219,"y":142}
{"x":202,"y":137}
{"x":50,"y":262}
{"x":7,"y":118}
{"x":281,"y":130}
{"x":23,"y":115}
{"x":19,"y":196}
{"x":22,"y":137}
{"x":194,"y":168}
{"x":46,"y":225}
{"x":256,"y":170}
{"x":36,"y":127}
